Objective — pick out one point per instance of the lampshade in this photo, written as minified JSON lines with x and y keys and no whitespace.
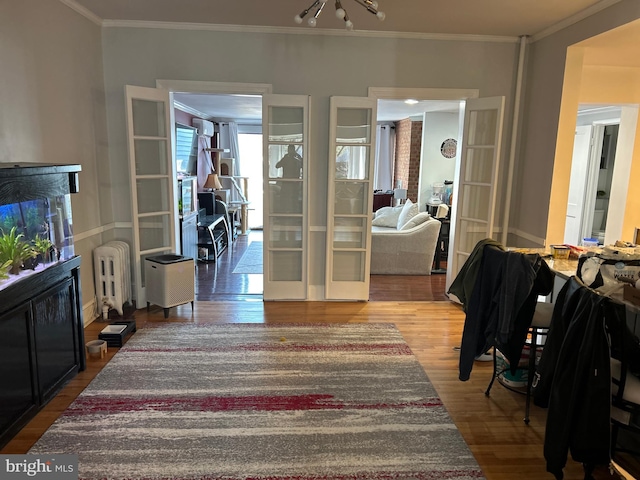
{"x":212,"y":182}
{"x":400,"y":194}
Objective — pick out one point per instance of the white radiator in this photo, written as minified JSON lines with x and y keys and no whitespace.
{"x":111,"y":265}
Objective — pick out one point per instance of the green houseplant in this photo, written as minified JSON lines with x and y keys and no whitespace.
{"x":42,"y":247}
{"x":4,"y":270}
{"x":14,"y":250}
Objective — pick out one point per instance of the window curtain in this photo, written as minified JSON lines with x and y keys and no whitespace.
{"x":205,"y":164}
{"x":385,"y":149}
{"x":229,"y":139}
{"x":351,"y":162}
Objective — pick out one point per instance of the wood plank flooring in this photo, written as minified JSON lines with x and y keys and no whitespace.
{"x":504,"y":446}
{"x":217,"y":282}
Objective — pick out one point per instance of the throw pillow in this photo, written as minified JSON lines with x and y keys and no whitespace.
{"x":417,"y":220}
{"x":409,"y":210}
{"x":387,"y":217}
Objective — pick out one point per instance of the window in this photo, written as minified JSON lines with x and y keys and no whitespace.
{"x":250,"y":145}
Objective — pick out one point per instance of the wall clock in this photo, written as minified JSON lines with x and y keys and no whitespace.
{"x":448,"y":148}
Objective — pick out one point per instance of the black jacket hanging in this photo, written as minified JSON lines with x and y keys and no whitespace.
{"x":580,"y":396}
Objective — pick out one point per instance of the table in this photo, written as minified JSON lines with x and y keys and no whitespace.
{"x":244,"y":214}
{"x":213,"y":234}
{"x":382,"y":199}
{"x":442,"y":248}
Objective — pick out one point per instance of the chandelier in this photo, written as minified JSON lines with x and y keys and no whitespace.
{"x":318,"y":5}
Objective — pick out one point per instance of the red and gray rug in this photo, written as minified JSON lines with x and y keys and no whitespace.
{"x":262,"y":402}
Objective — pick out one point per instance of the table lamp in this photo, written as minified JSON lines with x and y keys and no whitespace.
{"x":213,"y":182}
{"x":400,"y":194}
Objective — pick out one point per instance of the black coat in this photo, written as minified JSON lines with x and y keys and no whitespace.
{"x":576,"y":363}
{"x":502,"y":305}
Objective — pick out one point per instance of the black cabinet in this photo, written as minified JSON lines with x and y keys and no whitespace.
{"x":213,"y":236}
{"x":18,"y":396}
{"x":56,"y":342}
{"x":41,"y":340}
{"x":41,"y":325}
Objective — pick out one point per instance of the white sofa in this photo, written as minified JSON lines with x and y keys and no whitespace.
{"x":405,"y":251}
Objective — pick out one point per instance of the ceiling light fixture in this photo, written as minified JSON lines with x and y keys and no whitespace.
{"x":411,"y":101}
{"x":318,"y":5}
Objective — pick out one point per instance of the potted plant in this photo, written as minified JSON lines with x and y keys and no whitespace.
{"x":14,"y":250}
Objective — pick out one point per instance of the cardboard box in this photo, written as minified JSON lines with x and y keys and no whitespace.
{"x":560,"y":251}
{"x":631,"y":294}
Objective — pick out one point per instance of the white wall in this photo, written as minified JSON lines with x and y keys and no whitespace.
{"x":52,"y":108}
{"x":434,"y":168}
{"x":316,"y":65}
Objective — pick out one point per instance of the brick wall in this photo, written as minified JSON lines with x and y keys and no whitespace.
{"x":407,"y":161}
{"x":414,"y":161}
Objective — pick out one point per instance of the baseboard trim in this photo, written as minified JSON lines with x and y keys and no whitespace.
{"x":89,"y":312}
{"x":315,"y":293}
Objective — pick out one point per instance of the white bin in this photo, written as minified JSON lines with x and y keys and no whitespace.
{"x":170,"y":281}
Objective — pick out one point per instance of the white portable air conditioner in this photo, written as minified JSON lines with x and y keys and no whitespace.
{"x":205,"y":127}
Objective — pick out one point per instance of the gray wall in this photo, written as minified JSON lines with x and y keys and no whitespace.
{"x":320,"y":66}
{"x":52,"y":107}
{"x":56,"y":106}
{"x":545,"y":72}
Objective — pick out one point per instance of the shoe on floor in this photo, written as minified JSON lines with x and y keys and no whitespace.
{"x":484,"y":357}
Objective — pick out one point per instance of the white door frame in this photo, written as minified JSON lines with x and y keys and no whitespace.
{"x":454,"y":94}
{"x":214,"y":88}
{"x":393,"y":93}
{"x":580,"y":161}
{"x":356,"y":287}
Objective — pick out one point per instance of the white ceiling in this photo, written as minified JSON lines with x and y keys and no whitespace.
{"x":247,"y":109}
{"x":501,"y":18}
{"x":475,"y":17}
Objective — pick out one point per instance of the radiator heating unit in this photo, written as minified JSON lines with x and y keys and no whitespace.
{"x":111,"y":265}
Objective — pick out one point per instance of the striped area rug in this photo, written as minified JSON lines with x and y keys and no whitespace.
{"x":262,"y":402}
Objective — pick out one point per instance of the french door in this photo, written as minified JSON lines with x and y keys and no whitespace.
{"x":151,"y":178}
{"x":573,"y":229}
{"x":350,"y":193}
{"x":475,"y":205}
{"x":285,"y":132}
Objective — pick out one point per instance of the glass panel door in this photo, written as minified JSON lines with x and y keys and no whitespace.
{"x":474,"y":210}
{"x":285,"y":134}
{"x":151,"y":178}
{"x":350,"y":197}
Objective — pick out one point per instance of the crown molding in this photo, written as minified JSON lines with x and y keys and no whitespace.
{"x":393,"y":93}
{"x":72,"y":4}
{"x":201,"y":86}
{"x":190,"y":110}
{"x":306,"y":31}
{"x":567,"y":22}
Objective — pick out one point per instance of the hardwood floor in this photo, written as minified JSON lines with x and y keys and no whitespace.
{"x":493,"y":427}
{"x":217,"y":282}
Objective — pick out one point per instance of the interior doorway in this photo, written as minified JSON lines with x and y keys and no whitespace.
{"x":428,"y":101}
{"x":592,"y":174}
{"x":222,"y":280}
